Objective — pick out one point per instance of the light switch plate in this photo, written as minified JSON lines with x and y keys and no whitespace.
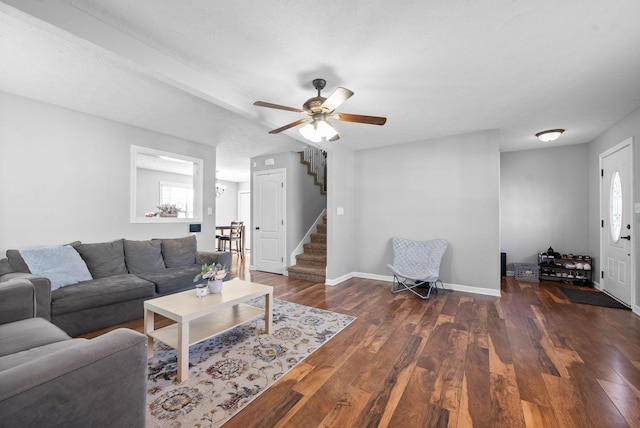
{"x":340,"y":211}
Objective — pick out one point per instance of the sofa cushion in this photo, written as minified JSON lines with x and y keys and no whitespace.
{"x":180,"y":251}
{"x":143,"y":256}
{"x":104,"y":259}
{"x":61,"y":264}
{"x":28,"y":333}
{"x":100,"y":292}
{"x":172,"y":280}
{"x":15,"y":359}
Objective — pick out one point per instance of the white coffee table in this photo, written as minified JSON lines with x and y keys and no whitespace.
{"x":199,"y":318}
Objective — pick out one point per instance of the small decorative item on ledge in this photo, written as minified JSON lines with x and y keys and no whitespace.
{"x":215,"y":286}
{"x":214,"y":274}
{"x":201,"y":290}
{"x":168,"y":210}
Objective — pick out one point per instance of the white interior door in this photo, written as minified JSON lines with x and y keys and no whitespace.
{"x":616,"y":249}
{"x":268,"y":221}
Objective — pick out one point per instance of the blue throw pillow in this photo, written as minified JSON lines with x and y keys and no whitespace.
{"x":61,"y":264}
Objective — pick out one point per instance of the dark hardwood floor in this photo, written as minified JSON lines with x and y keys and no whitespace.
{"x":530,"y":358}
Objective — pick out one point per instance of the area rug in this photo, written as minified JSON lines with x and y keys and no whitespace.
{"x":230,"y":370}
{"x":596,"y":298}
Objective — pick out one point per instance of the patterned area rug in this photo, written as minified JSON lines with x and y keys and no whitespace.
{"x":228,"y":371}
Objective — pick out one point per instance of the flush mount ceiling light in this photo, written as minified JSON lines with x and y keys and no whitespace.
{"x":549,"y":135}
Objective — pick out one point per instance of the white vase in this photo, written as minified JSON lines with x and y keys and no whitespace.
{"x":215,"y":286}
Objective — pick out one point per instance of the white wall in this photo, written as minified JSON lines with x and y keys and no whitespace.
{"x":544,"y":200}
{"x":442,"y":188}
{"x":342,"y":246}
{"x":227,"y":204}
{"x":627,"y":127}
{"x":64,"y":176}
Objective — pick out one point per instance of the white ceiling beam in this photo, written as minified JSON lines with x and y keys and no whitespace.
{"x":69,"y":20}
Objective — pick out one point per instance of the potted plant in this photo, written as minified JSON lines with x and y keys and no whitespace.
{"x":213,"y":274}
{"x":168,"y":210}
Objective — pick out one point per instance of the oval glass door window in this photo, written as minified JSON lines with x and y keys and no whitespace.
{"x":615,"y":206}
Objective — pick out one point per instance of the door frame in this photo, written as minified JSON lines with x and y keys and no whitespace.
{"x":631,"y":216}
{"x":247,"y":219}
{"x":254,"y":194}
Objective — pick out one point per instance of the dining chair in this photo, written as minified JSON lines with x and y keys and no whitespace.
{"x":235,"y":235}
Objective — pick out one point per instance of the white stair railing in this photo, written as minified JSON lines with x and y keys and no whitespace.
{"x":316,"y":160}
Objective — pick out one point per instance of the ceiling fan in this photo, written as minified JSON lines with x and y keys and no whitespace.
{"x":319,"y":110}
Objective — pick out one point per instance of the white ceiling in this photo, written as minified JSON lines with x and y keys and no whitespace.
{"x":192,"y":68}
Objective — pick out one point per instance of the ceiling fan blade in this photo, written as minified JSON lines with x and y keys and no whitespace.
{"x":370,"y":120}
{"x":279,"y":107}
{"x":291,"y":125}
{"x":336,"y":98}
{"x":335,"y":137}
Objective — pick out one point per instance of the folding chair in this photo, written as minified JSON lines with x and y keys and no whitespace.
{"x":416,"y":264}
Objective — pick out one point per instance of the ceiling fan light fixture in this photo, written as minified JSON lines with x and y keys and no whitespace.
{"x":318,"y":130}
{"x":310,"y":133}
{"x":325,"y":130}
{"x":318,"y":108}
{"x":549,"y":135}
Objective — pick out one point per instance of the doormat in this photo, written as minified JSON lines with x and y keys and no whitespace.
{"x":596,"y":298}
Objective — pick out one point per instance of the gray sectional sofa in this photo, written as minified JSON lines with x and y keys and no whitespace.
{"x":48,"y":379}
{"x":87,"y":287}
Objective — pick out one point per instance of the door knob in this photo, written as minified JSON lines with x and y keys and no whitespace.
{"x":257,"y":227}
{"x":628,"y":237}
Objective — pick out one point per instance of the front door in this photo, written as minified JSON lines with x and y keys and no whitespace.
{"x":616,"y":249}
{"x":268,"y":221}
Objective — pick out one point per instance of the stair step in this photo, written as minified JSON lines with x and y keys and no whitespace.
{"x":320,"y":238}
{"x":316,"y":260}
{"x":322,"y":228}
{"x":315,"y":248}
{"x":314,"y":274}
{"x":322,"y":258}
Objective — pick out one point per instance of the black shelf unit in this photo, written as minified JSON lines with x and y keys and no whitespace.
{"x":569,"y":268}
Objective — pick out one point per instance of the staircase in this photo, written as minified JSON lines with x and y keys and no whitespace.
{"x":311,"y":264}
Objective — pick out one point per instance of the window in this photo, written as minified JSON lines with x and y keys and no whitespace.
{"x":615,"y":206}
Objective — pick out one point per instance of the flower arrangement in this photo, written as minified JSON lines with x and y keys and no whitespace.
{"x":211,"y":272}
{"x":168,"y":210}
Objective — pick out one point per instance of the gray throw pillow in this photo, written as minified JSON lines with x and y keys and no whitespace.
{"x":143,"y":256}
{"x":104,"y":259}
{"x":17,"y":262}
{"x":180,"y":251}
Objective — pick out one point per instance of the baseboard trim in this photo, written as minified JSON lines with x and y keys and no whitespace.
{"x":338,"y":280}
{"x":388,"y":278}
